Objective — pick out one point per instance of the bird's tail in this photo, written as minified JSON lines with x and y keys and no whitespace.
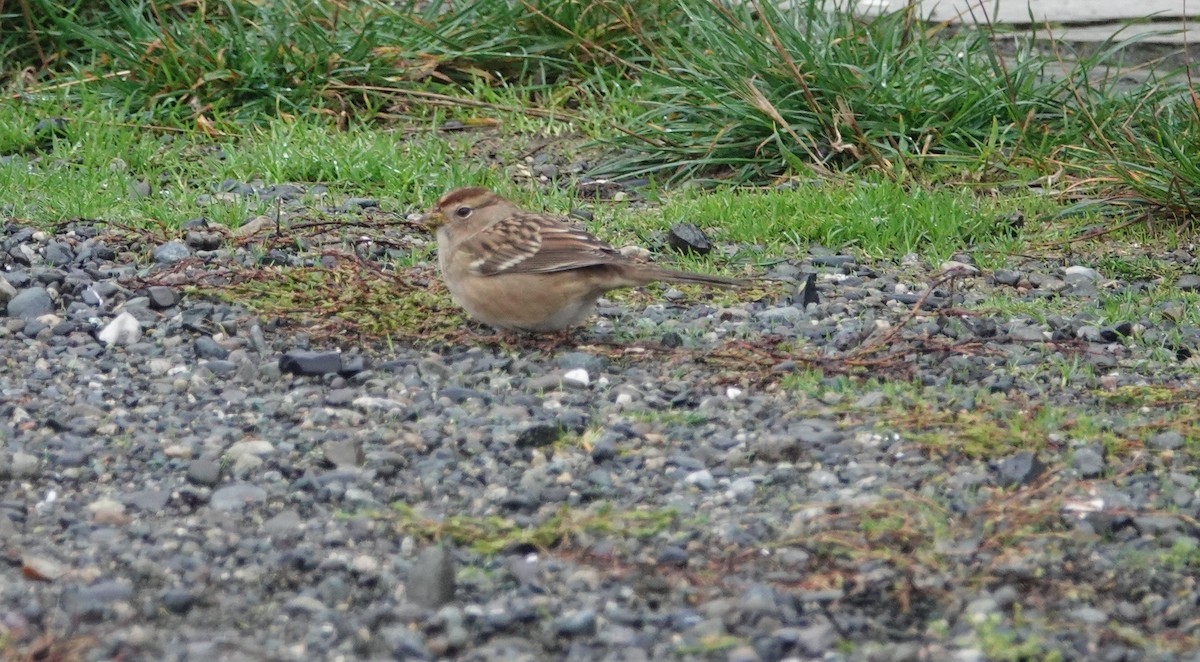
{"x":674,"y":276}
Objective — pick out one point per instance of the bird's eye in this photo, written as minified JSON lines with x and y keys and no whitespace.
{"x":462,"y":212}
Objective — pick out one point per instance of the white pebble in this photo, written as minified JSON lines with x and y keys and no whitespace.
{"x":123,"y":330}
{"x":578,"y":375}
{"x":958,"y":268}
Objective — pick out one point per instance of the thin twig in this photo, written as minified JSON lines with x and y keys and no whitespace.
{"x":1140,"y":218}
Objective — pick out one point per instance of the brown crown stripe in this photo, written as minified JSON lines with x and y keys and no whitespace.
{"x":460,"y":195}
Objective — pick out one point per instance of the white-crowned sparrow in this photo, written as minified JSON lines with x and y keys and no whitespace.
{"x":517,"y":270}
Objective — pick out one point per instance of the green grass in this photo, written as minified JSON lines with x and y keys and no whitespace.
{"x":874,"y":216}
{"x":973,"y":423}
{"x":238,"y":60}
{"x":495,"y":534}
{"x":1160,"y":304}
{"x":759,"y":92}
{"x":1004,"y":641}
{"x":678,"y":91}
{"x":88,"y":171}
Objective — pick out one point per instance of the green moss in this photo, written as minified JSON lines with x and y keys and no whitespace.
{"x":348,"y":299}
{"x":494,"y":534}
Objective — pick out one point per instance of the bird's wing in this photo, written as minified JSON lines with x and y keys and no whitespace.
{"x":535,"y":244}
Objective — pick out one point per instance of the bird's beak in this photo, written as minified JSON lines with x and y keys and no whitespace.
{"x":433,"y":220}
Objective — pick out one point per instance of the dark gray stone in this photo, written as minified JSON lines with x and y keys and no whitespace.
{"x":1117,"y":332}
{"x":1019,"y":469}
{"x":582,"y":622}
{"x":171,"y":252}
{"x":237,"y":496}
{"x":203,"y":241}
{"x":149,"y":500}
{"x":545,"y":171}
{"x":431,"y":580}
{"x":285,"y":192}
{"x":360,"y":203}
{"x":221,"y":368}
{"x":93,"y":602}
{"x":1188,"y":283}
{"x":1167,"y":440}
{"x":537,"y":435}
{"x":177,"y":600}
{"x":1007,"y":277}
{"x":51,"y":127}
{"x":1089,"y":461}
{"x":204,"y":472}
{"x":208,"y":348}
{"x":688,"y":238}
{"x":603,"y":450}
{"x":305,"y":362}
{"x":459,"y":395}
{"x":30,"y":303}
{"x":59,"y":254}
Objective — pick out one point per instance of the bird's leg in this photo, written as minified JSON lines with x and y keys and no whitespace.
{"x":549,"y":342}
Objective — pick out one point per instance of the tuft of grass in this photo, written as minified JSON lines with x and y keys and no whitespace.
{"x":759,"y":90}
{"x":238,"y":59}
{"x":1137,"y":143}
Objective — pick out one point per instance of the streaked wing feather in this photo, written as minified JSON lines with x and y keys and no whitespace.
{"x":536,"y":244}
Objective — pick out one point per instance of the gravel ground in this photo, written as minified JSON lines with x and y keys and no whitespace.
{"x":181,"y":479}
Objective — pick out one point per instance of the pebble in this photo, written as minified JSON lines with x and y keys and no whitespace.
{"x":162,"y":297}
{"x":687,"y":238}
{"x":1076,"y":274}
{"x":1089,"y":461}
{"x":1167,"y":440}
{"x":1188,"y":283}
{"x":30,"y":304}
{"x":431,"y":579}
{"x":702,"y":479}
{"x":59,"y":254}
{"x":1007,"y":277}
{"x":305,"y":362}
{"x":199,"y":492}
{"x":94,"y":602}
{"x":178,"y":600}
{"x":541,"y":434}
{"x":236,"y":496}
{"x":7,"y":292}
{"x":1019,"y":469}
{"x":582,"y":622}
{"x":208,"y":348}
{"x":360,"y":203}
{"x":171,"y":252}
{"x":123,"y":330}
{"x":204,"y":472}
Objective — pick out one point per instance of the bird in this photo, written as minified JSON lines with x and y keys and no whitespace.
{"x":517,"y":270}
